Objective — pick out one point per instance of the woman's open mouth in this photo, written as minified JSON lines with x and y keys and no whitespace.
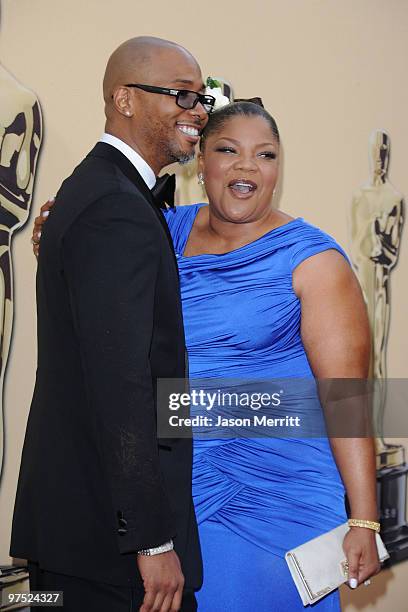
{"x":242,"y":188}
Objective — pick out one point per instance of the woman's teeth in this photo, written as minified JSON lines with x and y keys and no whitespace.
{"x":243,"y":187}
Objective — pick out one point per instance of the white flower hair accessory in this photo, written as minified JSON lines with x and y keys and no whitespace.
{"x":214,"y":88}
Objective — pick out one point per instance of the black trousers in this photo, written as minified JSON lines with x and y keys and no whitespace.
{"x":81,"y":595}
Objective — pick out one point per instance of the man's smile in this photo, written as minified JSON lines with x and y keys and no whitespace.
{"x":191,"y":132}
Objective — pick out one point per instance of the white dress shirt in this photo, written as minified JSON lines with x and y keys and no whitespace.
{"x":139,"y":163}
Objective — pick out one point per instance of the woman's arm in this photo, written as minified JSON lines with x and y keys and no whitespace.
{"x":336,"y":336}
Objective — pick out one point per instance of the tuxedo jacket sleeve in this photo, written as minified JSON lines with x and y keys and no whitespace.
{"x":111,"y":256}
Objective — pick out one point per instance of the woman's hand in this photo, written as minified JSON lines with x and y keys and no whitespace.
{"x":38,"y":223}
{"x":362,"y":556}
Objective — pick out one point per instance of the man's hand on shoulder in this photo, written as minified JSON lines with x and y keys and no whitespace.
{"x":38,"y":223}
{"x":163,"y":582}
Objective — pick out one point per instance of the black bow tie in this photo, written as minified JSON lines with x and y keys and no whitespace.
{"x":163,"y":191}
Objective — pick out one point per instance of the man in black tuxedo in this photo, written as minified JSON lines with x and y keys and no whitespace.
{"x":100,"y":500}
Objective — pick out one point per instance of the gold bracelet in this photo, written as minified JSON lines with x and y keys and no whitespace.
{"x":363,"y":523}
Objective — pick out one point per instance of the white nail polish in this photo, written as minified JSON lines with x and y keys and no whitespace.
{"x":45,"y":213}
{"x":38,"y":235}
{"x":353,"y":583}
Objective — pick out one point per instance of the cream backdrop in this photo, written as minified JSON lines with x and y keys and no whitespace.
{"x":330,"y":71}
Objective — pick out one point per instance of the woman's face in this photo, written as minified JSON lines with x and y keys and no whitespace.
{"x":240,"y":168}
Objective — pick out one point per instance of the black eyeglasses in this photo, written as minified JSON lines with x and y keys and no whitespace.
{"x":184,"y":97}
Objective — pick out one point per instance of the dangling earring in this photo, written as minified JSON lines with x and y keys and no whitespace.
{"x":201,"y":179}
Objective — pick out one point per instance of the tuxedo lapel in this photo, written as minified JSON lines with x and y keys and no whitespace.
{"x":110,"y":153}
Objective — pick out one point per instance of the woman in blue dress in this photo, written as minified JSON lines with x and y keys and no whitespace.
{"x":266,"y":296}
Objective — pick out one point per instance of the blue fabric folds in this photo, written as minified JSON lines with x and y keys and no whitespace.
{"x":255,"y":498}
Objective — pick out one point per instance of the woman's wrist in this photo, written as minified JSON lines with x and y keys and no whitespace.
{"x":366,"y":509}
{"x":364,"y":523}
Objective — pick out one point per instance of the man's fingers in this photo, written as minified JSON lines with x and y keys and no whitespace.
{"x":162,"y":599}
{"x":148,"y":601}
{"x":162,"y":578}
{"x":162,"y":602}
{"x":178,"y":596}
{"x":158,"y":601}
{"x":167,"y":603}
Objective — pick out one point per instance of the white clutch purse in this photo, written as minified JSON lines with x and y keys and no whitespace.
{"x":319,"y":566}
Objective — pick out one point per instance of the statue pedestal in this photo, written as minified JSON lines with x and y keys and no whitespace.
{"x":392,"y":499}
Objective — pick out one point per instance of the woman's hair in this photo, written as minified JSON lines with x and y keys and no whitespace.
{"x":220,"y":117}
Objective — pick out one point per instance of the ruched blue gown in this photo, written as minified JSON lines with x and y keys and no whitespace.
{"x":255,"y":498}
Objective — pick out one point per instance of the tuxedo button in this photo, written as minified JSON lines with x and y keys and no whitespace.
{"x":122,"y":531}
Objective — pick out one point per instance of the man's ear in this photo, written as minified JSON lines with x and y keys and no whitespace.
{"x":123,"y":101}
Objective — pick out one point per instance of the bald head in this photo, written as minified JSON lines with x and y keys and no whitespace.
{"x":138,"y":60}
{"x":152,"y":122}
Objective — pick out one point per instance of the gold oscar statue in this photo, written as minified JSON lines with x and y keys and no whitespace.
{"x":377,"y":218}
{"x":20,"y":141}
